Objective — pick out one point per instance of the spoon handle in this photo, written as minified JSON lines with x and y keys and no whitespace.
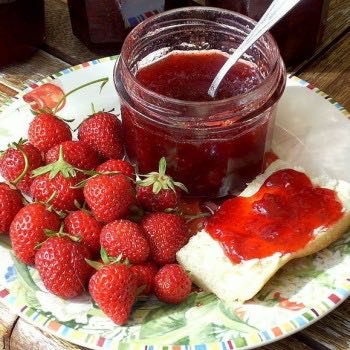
{"x":273,"y":14}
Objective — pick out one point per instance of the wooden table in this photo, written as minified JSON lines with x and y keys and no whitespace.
{"x":328,"y":69}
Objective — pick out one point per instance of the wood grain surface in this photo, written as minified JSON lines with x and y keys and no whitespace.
{"x":328,"y":69}
{"x":331,"y":71}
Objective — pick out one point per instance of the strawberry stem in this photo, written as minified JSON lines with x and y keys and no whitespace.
{"x":102,"y":80}
{"x":60,"y":166}
{"x":26,"y":165}
{"x":159,"y":180}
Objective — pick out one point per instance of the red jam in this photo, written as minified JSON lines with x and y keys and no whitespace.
{"x":213,"y":146}
{"x":280,"y":217}
{"x":210,"y":166}
{"x":188,"y":76}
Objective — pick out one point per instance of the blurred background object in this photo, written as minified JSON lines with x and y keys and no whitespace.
{"x":22,"y":29}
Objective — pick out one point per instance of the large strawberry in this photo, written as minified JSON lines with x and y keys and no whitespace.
{"x":102,"y":131}
{"x":109,"y":197}
{"x":114,"y":289}
{"x":56,"y":183}
{"x":46,"y":130}
{"x":172,"y":284}
{"x":117,"y":165}
{"x":61,"y":264}
{"x":77,"y":153}
{"x":10,"y":205}
{"x":127,"y":238}
{"x":159,"y":191}
{"x":17,"y":163}
{"x":28,"y":230}
{"x":166,"y":233}
{"x":82,"y":224}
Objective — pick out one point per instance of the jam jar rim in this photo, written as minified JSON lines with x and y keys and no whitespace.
{"x":267,"y":36}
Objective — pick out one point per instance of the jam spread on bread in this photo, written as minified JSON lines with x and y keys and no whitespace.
{"x":280,"y":217}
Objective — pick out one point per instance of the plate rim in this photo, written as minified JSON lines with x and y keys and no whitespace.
{"x":259,"y":338}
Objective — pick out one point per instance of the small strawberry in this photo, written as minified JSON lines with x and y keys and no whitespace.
{"x":46,"y":131}
{"x":17,"y":163}
{"x":172,"y":284}
{"x":102,"y":131}
{"x":109,"y":197}
{"x":159,"y":191}
{"x":119,"y":165}
{"x":166,"y":233}
{"x":80,"y":223}
{"x":27,"y":230}
{"x":114,"y":289}
{"x":127,"y":238}
{"x":145,"y":276}
{"x":77,"y":153}
{"x":55,"y":183}
{"x":10,"y":204}
{"x":61,"y":264}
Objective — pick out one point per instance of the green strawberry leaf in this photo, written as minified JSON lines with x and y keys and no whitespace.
{"x":24,"y":274}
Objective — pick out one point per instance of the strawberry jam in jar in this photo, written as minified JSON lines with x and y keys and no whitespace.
{"x":213,"y":145}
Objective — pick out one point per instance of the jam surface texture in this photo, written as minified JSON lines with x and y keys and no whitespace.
{"x":188,"y":76}
{"x":280,"y":217}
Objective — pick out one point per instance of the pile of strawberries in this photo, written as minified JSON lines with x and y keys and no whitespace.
{"x":88,"y":210}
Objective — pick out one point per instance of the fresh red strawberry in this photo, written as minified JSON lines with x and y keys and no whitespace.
{"x":109,"y":197}
{"x":27,"y":230}
{"x":76,"y":153}
{"x":62,"y":267}
{"x":55,"y":183}
{"x":46,"y":131}
{"x":145,"y":276}
{"x":127,"y":238}
{"x":80,"y":223}
{"x":159,"y":191}
{"x":166,"y":233}
{"x":122,"y":166}
{"x":10,"y":205}
{"x":102,"y":131}
{"x":114,"y":289}
{"x":172,"y":284}
{"x":17,"y":163}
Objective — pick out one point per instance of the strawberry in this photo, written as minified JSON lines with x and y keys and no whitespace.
{"x":172,"y":284}
{"x":127,"y":238}
{"x":10,"y":205}
{"x":109,"y":197}
{"x":76,"y":153}
{"x":114,"y":289}
{"x":55,"y":183}
{"x":17,"y":163}
{"x":122,"y":166}
{"x":62,"y":267}
{"x":159,"y":191}
{"x":145,"y":276}
{"x":27,"y":230}
{"x":102,"y":131}
{"x":166,"y":233}
{"x":80,"y":223}
{"x":46,"y":131}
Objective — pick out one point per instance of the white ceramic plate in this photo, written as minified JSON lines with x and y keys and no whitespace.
{"x":300,"y":294}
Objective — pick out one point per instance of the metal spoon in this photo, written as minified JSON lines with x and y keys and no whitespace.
{"x":277,"y":10}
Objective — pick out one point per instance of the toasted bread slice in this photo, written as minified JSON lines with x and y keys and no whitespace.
{"x":213,"y":271}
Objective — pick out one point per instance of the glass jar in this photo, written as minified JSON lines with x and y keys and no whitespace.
{"x":298,"y":34}
{"x":22,"y":29}
{"x":214,"y":147}
{"x":102,"y":25}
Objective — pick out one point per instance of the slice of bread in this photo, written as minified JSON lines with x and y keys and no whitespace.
{"x":213,"y":271}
